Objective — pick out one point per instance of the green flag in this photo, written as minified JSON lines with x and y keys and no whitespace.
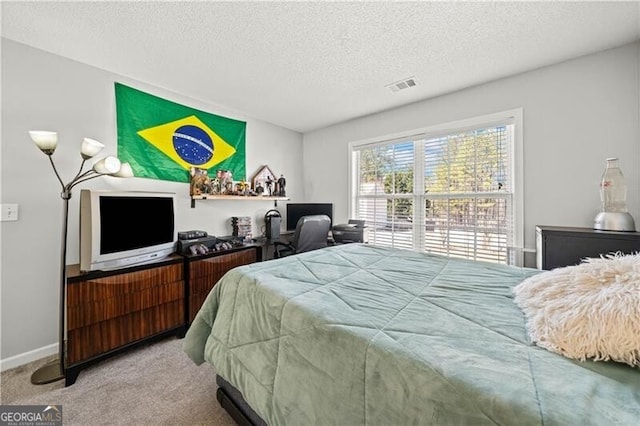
{"x":163,"y":140}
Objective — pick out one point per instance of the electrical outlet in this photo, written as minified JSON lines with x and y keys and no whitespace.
{"x":9,"y":212}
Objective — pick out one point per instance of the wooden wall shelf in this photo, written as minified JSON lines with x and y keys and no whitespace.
{"x":236,"y":198}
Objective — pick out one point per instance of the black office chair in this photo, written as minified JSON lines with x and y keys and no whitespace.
{"x":311,"y":234}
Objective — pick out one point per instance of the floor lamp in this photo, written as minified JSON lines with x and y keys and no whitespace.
{"x":110,"y":166}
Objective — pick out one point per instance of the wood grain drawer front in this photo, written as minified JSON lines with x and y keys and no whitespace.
{"x":219,"y":265}
{"x":100,"y":337}
{"x":119,"y":284}
{"x":106,"y":313}
{"x":111,"y":297}
{"x":82,"y":315}
{"x":205,"y":273}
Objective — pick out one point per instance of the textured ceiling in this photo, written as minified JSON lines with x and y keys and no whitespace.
{"x":306,"y":65}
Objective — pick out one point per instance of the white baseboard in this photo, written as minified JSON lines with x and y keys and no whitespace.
{"x":27,"y":357}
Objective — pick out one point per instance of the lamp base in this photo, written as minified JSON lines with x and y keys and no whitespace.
{"x":610,"y":221}
{"x":48,"y":373}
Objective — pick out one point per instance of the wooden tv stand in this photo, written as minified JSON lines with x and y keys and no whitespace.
{"x":109,"y":312}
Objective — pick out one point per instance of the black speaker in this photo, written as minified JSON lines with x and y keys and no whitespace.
{"x":273,"y":227}
{"x":272,"y":222}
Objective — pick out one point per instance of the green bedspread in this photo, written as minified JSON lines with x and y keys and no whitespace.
{"x":357,"y":334}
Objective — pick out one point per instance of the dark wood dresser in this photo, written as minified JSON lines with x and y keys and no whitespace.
{"x":558,"y":246}
{"x":112,"y":311}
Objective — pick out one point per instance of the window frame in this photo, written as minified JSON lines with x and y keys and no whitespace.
{"x":512,"y":116}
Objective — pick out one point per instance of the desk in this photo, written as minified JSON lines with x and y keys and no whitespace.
{"x":268,"y":244}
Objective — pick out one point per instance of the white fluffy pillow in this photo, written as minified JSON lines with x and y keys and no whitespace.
{"x":591,"y":310}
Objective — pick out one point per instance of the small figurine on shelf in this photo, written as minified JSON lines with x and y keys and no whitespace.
{"x":198,"y":184}
{"x":215,"y":186}
{"x":259,"y":188}
{"x":241,"y":188}
{"x":207,"y":186}
{"x":226,"y":182}
{"x":282,"y":183}
{"x":221,"y":182}
{"x":269,"y":182}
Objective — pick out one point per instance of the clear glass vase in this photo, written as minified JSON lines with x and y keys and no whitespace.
{"x":613,"y":189}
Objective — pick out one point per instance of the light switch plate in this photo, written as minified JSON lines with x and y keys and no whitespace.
{"x":9,"y":212}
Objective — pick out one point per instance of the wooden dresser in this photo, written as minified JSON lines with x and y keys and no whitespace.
{"x":204,"y":271}
{"x":112,"y":311}
{"x":558,"y":246}
{"x":109,"y":311}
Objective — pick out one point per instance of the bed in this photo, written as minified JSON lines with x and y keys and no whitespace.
{"x":356,"y":334}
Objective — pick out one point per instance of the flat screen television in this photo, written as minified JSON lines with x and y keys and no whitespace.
{"x":296,"y":210}
{"x":122,"y":228}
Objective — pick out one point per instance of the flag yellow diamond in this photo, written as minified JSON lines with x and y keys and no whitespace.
{"x":189,"y":142}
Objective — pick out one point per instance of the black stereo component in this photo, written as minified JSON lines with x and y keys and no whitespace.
{"x":205,"y":244}
{"x":228,"y":243}
{"x":353,"y":232}
{"x":190,"y":235}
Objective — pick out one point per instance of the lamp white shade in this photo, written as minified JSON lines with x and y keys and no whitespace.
{"x":107,"y":166}
{"x":125,"y":171}
{"x":90,"y":147}
{"x":46,"y":141}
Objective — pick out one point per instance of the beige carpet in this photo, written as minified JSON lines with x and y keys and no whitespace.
{"x":156,"y":384}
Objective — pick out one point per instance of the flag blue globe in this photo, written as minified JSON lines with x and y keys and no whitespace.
{"x":193,"y":145}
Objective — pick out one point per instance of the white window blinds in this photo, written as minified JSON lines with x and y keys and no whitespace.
{"x":450,"y":192}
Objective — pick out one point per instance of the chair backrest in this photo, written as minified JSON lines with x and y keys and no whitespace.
{"x":311,"y":233}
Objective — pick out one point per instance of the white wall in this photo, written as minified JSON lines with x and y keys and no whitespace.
{"x":42,"y":91}
{"x":576,"y":114}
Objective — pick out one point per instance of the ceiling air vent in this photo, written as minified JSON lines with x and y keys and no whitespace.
{"x":402,"y":84}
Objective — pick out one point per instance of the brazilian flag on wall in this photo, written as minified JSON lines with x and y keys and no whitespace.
{"x":163,"y":140}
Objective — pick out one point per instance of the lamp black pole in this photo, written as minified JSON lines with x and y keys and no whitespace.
{"x":55,"y":370}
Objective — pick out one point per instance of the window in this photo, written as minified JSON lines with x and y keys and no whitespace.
{"x":450,"y":190}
